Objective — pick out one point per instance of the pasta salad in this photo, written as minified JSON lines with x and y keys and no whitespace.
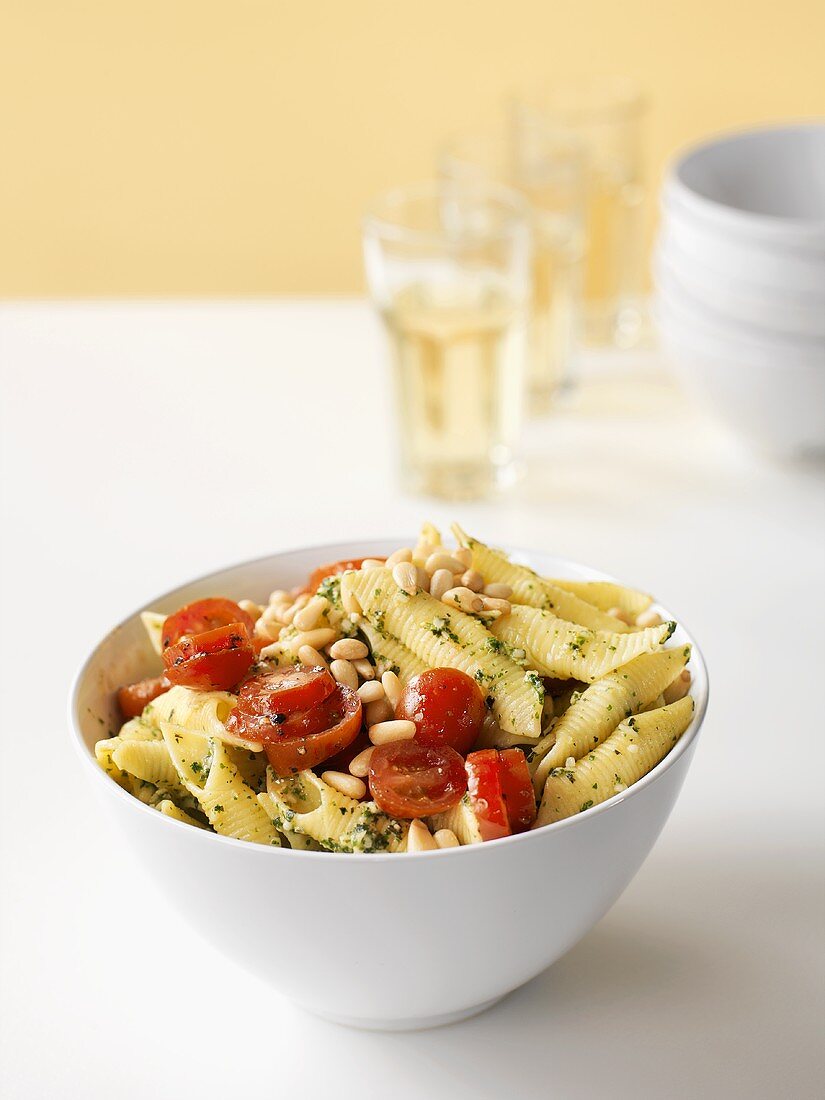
{"x":439,"y":697}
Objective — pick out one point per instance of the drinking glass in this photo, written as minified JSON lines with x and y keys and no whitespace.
{"x":548,"y":170}
{"x":605,"y":116}
{"x":448,"y":267}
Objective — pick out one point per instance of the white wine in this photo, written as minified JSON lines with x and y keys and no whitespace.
{"x":459,"y":358}
{"x":554,"y":310}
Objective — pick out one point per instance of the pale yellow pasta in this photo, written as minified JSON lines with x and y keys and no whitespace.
{"x":305,"y":804}
{"x":200,"y":712}
{"x":148,"y":760}
{"x":462,"y":820}
{"x":168,"y":808}
{"x":445,"y":637}
{"x":601,"y":707}
{"x":555,"y":647}
{"x":634,"y":747}
{"x":531,"y":589}
{"x":153,"y":624}
{"x":606,"y":595}
{"x":389,"y":653}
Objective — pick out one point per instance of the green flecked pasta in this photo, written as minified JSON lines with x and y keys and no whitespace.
{"x":148,"y":760}
{"x":389,"y":653}
{"x":168,"y":808}
{"x":208,"y":770}
{"x":305,"y":804}
{"x":531,"y":589}
{"x":555,"y":647}
{"x":203,"y":712}
{"x":136,"y":729}
{"x":635,"y":746}
{"x":445,"y":637}
{"x":605,"y":595}
{"x":600,"y":708}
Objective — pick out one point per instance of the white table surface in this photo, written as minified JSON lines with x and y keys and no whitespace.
{"x":147,"y":443}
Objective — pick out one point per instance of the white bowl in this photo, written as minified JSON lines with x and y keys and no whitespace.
{"x":770,"y":267}
{"x":775,"y":402}
{"x":763,"y":185}
{"x":738,"y":300}
{"x":380,"y":941}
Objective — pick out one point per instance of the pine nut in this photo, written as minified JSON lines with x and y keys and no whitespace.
{"x":275,"y":613}
{"x":678,"y":689}
{"x":383,"y":733}
{"x":445,"y":838}
{"x":463,"y":599}
{"x":280,"y":595}
{"x":253,"y":609}
{"x":316,"y":638}
{"x":349,"y":601}
{"x":465,"y":555}
{"x":405,"y":554}
{"x":442,"y":581}
{"x":423,"y":549}
{"x":364,"y":669}
{"x":405,"y":575}
{"x":649,"y":618}
{"x":498,"y":591}
{"x":344,"y":673}
{"x":622,"y":616}
{"x":473,"y":580}
{"x":308,"y":655}
{"x":360,"y":764}
{"x":349,"y":785}
{"x":440,"y":560}
{"x":307,"y":617}
{"x":503,"y":607}
{"x":378,"y":711}
{"x":372,"y":563}
{"x":348,"y":649}
{"x":269,"y":631}
{"x":423,"y":577}
{"x":301,"y":601}
{"x":392,"y":687}
{"x":419,"y":838}
{"x":371,"y":691}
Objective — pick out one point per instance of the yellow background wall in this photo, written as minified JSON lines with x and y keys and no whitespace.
{"x":228,"y":146}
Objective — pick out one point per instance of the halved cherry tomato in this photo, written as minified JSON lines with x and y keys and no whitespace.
{"x":201,"y":616}
{"x":342,"y":760}
{"x":279,"y":691}
{"x":132,"y":698}
{"x":214,"y":660}
{"x":447,"y":707}
{"x":517,"y":788}
{"x":305,"y":738}
{"x":410,"y":780}
{"x":486,"y":795}
{"x":332,"y":569}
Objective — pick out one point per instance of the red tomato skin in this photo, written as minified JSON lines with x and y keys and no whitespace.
{"x":332,"y":569}
{"x":214,"y":660}
{"x":202,"y":616}
{"x":409,"y":780}
{"x":486,"y":795}
{"x":517,"y":789}
{"x":283,"y":690}
{"x":447,"y":707}
{"x":305,"y":739}
{"x":132,"y":698}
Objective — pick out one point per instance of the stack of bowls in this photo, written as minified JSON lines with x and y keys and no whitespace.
{"x":739,"y":270}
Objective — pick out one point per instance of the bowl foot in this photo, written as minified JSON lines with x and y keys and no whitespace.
{"x":407,"y":1023}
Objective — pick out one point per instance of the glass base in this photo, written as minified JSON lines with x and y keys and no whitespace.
{"x":462,"y":482}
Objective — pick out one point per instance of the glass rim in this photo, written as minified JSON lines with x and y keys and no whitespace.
{"x":377,"y":219}
{"x":601,"y":99}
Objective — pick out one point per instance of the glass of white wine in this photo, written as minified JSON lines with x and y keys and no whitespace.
{"x":549,"y":170}
{"x":448,"y":268}
{"x":605,"y":116}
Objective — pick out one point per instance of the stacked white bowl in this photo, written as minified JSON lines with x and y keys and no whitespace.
{"x":739,"y":269}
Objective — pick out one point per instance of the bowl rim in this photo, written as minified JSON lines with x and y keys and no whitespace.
{"x":776,"y":227}
{"x":350,"y":548}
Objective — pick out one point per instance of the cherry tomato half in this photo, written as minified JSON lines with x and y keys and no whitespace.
{"x":214,"y":660}
{"x":408,"y":779}
{"x":517,"y":788}
{"x":486,"y":794}
{"x":447,"y":707}
{"x":132,"y":698}
{"x":278,"y":692}
{"x":201,"y":616}
{"x":332,"y":569}
{"x":305,"y":738}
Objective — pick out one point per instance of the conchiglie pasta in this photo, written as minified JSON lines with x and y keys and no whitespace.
{"x":634,"y":747}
